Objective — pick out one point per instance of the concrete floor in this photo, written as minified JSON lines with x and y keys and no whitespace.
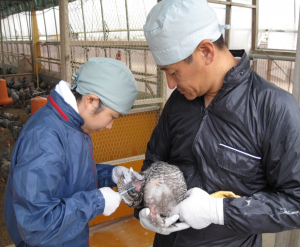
{"x":127,"y":232}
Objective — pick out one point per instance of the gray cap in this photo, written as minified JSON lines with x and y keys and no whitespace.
{"x":174,"y":28}
{"x":108,"y":79}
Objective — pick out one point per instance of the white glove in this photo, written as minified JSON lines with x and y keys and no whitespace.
{"x":169,"y":228}
{"x":112,"y":200}
{"x":200,"y":209}
{"x":118,"y":171}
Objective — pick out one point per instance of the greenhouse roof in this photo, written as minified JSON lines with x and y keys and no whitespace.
{"x":13,"y":7}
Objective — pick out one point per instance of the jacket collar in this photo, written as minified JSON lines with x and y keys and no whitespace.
{"x":64,"y":111}
{"x":240,"y":72}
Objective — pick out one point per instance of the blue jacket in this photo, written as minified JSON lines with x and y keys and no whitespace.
{"x":52,"y":191}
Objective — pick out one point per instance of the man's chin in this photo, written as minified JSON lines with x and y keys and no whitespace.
{"x":189,"y":97}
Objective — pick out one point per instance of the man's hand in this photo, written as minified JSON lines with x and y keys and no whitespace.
{"x":112,"y":200}
{"x":167,"y":229}
{"x":119,"y":171}
{"x":200,"y":209}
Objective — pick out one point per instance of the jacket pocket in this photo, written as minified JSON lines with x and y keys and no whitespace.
{"x":237,"y":161}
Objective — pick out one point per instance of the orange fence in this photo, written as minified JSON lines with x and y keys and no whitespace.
{"x":128,"y":137}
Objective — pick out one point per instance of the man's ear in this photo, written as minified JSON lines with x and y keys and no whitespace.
{"x":207,"y":51}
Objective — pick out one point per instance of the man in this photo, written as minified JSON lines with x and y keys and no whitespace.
{"x":227,"y":129}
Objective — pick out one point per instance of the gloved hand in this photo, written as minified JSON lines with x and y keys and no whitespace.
{"x":200,"y":209}
{"x":169,"y":228}
{"x":112,"y":200}
{"x":118,"y":171}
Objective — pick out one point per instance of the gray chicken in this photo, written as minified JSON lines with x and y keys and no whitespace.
{"x":15,"y":132}
{"x":162,"y":188}
{"x":4,"y":168}
{"x":6,"y":151}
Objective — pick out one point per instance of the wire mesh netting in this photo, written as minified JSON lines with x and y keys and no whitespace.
{"x":114,"y":29}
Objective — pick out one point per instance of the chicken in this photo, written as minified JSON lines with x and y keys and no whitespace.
{"x":28,"y":109}
{"x":43,"y":85}
{"x":4,"y":168}
{"x":6,"y":151}
{"x":6,"y":115}
{"x":11,"y":82}
{"x":15,"y":131}
{"x":21,"y":94}
{"x":14,"y":95}
{"x":162,"y":188}
{"x":31,"y":87}
{"x":27,"y":93}
{"x":4,"y":122}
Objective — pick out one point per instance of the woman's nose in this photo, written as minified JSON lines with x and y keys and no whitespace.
{"x":109,"y":126}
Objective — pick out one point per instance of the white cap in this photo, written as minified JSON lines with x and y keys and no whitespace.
{"x":174,"y":28}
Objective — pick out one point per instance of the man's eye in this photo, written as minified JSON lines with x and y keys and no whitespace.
{"x":173,"y":73}
{"x":113,"y":118}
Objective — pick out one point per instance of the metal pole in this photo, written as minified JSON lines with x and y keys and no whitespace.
{"x":296,"y":86}
{"x":29,"y":23}
{"x":46,"y":38}
{"x":254,"y":25}
{"x":127,"y":22}
{"x":9,"y":35}
{"x":83,"y":20}
{"x":3,"y":63}
{"x":6,"y":38}
{"x":15,"y":36}
{"x":128,"y":34}
{"x":55,"y":21}
{"x":228,"y":21}
{"x":103,"y":27}
{"x":21,"y":30}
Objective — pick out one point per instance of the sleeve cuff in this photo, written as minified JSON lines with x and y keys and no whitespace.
{"x":99,"y":201}
{"x":226,"y":202}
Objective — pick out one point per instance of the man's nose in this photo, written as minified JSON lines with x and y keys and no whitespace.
{"x":171,"y":81}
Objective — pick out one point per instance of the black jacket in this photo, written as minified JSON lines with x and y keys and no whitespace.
{"x":246,"y":141}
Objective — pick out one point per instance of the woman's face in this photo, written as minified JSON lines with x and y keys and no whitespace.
{"x":95,"y":122}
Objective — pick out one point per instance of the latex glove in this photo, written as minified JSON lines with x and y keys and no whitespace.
{"x":200,"y":209}
{"x":112,"y":200}
{"x":118,"y":171}
{"x":169,"y":228}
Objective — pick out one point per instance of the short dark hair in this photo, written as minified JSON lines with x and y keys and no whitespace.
{"x":219,"y":43}
{"x":189,"y":59}
{"x":78,"y":98}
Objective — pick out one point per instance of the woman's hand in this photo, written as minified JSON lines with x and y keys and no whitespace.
{"x":119,"y":171}
{"x":112,"y":200}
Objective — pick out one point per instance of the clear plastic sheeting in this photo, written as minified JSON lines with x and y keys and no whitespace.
{"x":278,"y":24}
{"x":240,"y":30}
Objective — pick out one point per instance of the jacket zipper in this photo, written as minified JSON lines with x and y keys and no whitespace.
{"x":239,"y":151}
{"x":93,"y":161}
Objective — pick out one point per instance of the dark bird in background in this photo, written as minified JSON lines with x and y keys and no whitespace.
{"x":15,"y":131}
{"x":5,"y":161}
{"x":15,"y":96}
{"x":162,"y":188}
{"x":6,"y":151}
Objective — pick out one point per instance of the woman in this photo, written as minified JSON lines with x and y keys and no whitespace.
{"x":53,"y":186}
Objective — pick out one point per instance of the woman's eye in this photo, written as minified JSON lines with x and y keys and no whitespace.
{"x":113,"y":118}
